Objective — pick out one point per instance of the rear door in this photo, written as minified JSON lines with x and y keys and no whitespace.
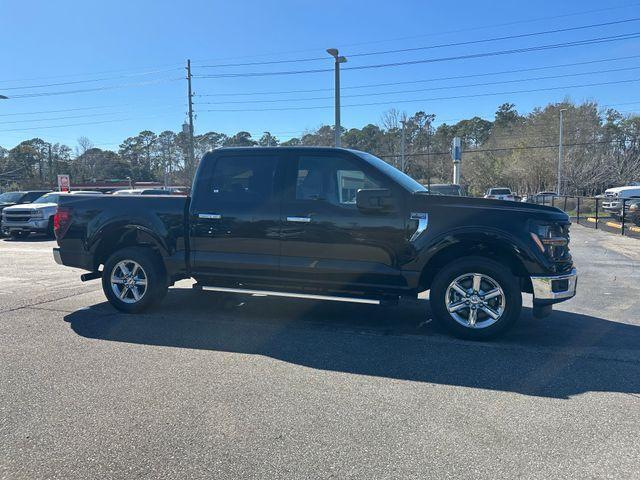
{"x":235,"y":218}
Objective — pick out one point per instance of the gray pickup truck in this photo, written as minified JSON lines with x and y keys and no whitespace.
{"x":19,"y":221}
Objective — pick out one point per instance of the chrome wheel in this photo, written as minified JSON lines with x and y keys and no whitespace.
{"x":475,"y":300}
{"x":129,"y":281}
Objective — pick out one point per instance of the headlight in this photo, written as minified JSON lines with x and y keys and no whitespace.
{"x":37,"y":213}
{"x":548,"y":235}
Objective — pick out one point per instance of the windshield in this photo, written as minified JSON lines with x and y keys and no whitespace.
{"x":402,"y":178}
{"x":500,"y":191}
{"x":446,"y":190}
{"x":11,"y":197}
{"x":48,"y":198}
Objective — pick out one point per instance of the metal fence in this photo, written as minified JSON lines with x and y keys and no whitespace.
{"x":623,"y":219}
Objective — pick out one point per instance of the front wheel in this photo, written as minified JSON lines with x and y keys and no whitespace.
{"x":133,"y":280}
{"x":18,"y":234}
{"x":476,"y":298}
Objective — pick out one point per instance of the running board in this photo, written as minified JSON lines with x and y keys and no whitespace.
{"x":308,"y":296}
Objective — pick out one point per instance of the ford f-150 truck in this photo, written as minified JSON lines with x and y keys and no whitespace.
{"x":325,"y":223}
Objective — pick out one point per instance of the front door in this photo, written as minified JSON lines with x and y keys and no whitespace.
{"x":235,"y":219}
{"x":326,"y":240}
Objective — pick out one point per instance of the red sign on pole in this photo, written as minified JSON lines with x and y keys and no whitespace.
{"x":64,"y":183}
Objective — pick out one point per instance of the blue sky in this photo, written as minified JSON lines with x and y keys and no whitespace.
{"x":135,"y":52}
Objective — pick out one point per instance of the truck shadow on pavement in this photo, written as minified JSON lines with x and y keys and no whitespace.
{"x":558,"y":357}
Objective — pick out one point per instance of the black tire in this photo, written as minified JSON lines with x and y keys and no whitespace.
{"x":17,"y":235}
{"x":152,"y":272}
{"x":50,"y":232}
{"x":489,"y":270}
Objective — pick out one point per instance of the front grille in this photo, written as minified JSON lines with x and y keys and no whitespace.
{"x":16,"y":216}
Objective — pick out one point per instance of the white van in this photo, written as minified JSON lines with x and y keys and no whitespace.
{"x":612,"y":201}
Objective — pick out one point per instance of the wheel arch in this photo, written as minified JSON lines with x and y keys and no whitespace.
{"x":120,"y":237}
{"x":501,"y":251}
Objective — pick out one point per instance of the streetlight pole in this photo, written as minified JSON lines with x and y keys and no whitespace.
{"x":338,"y":60}
{"x":403,"y":161}
{"x":560,"y":151}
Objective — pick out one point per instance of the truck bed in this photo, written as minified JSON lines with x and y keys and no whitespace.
{"x":99,"y":222}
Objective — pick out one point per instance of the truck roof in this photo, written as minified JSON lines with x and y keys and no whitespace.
{"x":621,"y":189}
{"x":288,"y":149}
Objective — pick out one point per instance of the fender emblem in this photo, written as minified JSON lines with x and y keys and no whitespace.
{"x":423,"y":222}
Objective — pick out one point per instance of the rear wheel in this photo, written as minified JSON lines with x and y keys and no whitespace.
{"x":134,"y":280}
{"x":476,"y":298}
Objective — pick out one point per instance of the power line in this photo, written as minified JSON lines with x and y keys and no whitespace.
{"x":76,"y":82}
{"x":590,"y":41}
{"x":62,"y":126}
{"x":432,"y":34}
{"x":429,"y":99}
{"x":56,"y":111}
{"x":78,"y":124}
{"x":502,"y":149}
{"x":409,"y":82}
{"x":158,"y":69}
{"x":422,"y":89}
{"x":429,"y":47}
{"x":97,"y":89}
{"x":61,"y":118}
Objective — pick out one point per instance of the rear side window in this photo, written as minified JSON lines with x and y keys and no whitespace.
{"x":31,"y":196}
{"x":238,"y":179}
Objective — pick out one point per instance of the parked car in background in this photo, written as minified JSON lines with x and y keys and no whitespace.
{"x":613,"y":198}
{"x":19,"y":221}
{"x":8,"y":199}
{"x":500,"y":193}
{"x":632,"y":211}
{"x":144,"y":191}
{"x":543,"y":198}
{"x":446,"y":189}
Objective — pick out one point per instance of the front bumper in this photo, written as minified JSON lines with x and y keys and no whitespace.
{"x":33,"y":225}
{"x":554,"y":288}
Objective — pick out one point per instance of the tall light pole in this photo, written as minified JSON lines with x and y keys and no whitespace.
{"x":334,"y":53}
{"x":560,"y":151}
{"x":403,"y":161}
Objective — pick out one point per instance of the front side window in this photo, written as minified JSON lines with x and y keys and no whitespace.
{"x":243,"y":179}
{"x":335,"y":180}
{"x":31,"y":196}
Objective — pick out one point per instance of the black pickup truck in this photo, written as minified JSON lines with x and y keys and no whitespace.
{"x":325,"y":223}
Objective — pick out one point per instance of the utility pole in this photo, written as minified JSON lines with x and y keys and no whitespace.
{"x":192,"y":154}
{"x":560,"y":152}
{"x":403,"y":163}
{"x":338,"y":60}
{"x":429,"y":157}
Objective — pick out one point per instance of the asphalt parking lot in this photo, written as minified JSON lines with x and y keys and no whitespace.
{"x":218,"y":386}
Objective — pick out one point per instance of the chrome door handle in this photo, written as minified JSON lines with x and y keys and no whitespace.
{"x":299,"y":219}
{"x":210,"y":216}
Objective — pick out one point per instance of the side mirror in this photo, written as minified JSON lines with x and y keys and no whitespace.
{"x":374,"y":200}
